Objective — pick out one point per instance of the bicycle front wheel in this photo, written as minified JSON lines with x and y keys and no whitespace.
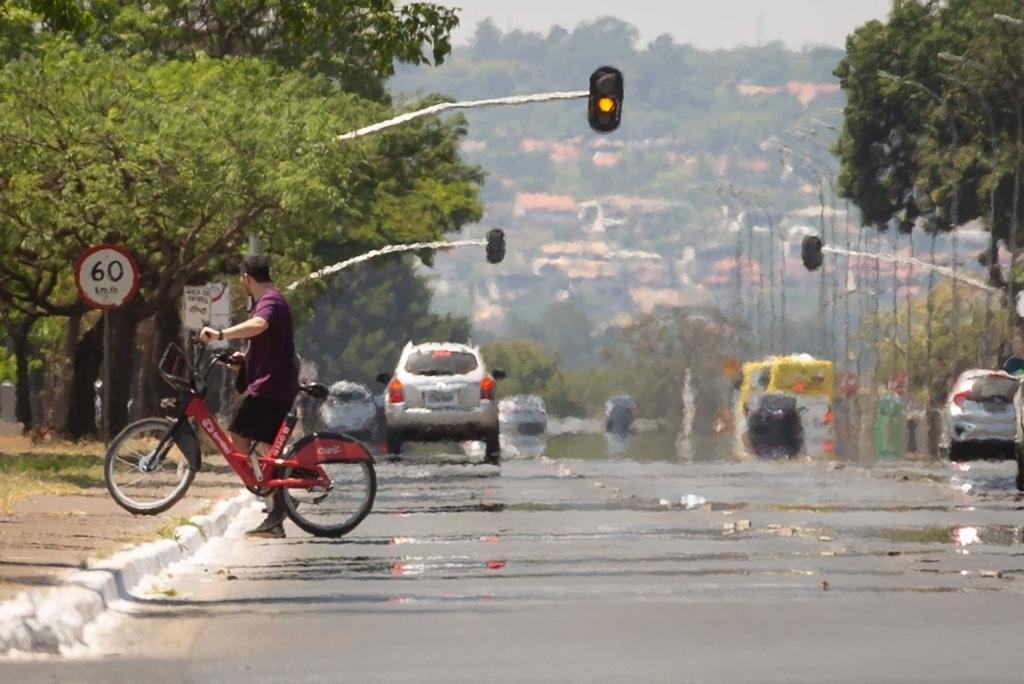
{"x":145,"y":473}
{"x":337,"y":510}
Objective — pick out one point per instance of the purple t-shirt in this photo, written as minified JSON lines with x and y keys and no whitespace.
{"x":270,"y":366}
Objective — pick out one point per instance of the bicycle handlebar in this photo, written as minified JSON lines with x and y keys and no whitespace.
{"x":199,"y":351}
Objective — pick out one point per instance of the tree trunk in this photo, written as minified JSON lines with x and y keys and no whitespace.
{"x":166,"y":329}
{"x":19,"y":334}
{"x":122,"y":362}
{"x":62,"y":385}
{"x":81,"y":415}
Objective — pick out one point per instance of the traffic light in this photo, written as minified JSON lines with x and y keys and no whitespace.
{"x":810,"y":252}
{"x":604,"y":108}
{"x":495,"y":245}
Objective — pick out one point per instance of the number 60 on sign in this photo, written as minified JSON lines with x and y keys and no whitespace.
{"x":107,"y":276}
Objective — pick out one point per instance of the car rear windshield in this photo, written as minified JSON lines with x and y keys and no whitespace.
{"x":350,"y":395}
{"x":994,"y":387}
{"x":774,"y":402}
{"x":440,"y":362}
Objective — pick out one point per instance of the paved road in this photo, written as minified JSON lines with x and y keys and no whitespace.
{"x":603,"y":568}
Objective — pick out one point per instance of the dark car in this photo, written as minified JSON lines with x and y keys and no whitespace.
{"x":619,"y":414}
{"x":774,"y":427}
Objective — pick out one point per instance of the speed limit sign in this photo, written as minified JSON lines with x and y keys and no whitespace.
{"x":107,"y":276}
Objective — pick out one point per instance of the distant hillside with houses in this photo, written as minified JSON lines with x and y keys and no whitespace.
{"x":719,"y":154}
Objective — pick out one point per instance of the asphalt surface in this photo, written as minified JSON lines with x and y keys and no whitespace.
{"x":602,"y":562}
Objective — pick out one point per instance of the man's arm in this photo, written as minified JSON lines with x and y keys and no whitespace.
{"x":244,"y":330}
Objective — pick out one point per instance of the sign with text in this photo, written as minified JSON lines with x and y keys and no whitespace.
{"x":107,"y":276}
{"x":196,"y":303}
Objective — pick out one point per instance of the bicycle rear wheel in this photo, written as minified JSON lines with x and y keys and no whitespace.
{"x":334,"y":511}
{"x":140,"y":479}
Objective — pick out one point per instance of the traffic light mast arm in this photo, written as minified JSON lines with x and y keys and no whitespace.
{"x":911,"y":261}
{"x":390,"y":249}
{"x":468,"y":104}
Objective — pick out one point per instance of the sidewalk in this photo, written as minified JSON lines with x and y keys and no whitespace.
{"x":56,"y":514}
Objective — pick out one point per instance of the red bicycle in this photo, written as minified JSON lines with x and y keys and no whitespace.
{"x":327,"y":480}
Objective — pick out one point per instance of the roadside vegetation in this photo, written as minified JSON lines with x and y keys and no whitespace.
{"x":180,"y":131}
{"x":28,"y":469}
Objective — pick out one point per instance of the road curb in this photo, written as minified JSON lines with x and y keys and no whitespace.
{"x":52,"y":620}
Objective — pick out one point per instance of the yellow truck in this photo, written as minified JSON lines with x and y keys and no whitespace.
{"x":785,"y":407}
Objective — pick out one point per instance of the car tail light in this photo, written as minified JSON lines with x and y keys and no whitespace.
{"x":960,"y":397}
{"x":487,"y":386}
{"x":396,"y":393}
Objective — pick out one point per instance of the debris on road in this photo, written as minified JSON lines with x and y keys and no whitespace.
{"x":692,"y":501}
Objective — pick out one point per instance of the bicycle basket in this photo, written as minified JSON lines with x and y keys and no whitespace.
{"x":174,"y":368}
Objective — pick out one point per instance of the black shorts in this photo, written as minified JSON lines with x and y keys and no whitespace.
{"x":259,"y":419}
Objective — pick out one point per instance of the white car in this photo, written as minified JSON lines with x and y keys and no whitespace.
{"x":442,"y":391}
{"x":978,"y":420}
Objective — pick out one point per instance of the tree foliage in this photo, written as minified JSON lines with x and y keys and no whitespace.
{"x":181,"y":129}
{"x":899,"y":162}
{"x":979,"y":334}
{"x":181,"y":161}
{"x":650,"y":362}
{"x":356,"y":44}
{"x":360,"y":324}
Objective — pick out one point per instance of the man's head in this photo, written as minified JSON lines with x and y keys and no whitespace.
{"x":255,"y":274}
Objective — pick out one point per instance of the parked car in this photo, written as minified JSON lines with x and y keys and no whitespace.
{"x":523,"y":414}
{"x":774,"y":427}
{"x":978,"y":418}
{"x":350,"y":409}
{"x":442,"y":391}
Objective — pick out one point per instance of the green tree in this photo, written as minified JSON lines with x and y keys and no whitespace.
{"x":355,"y":43}
{"x":980,"y":336}
{"x":659,"y":350}
{"x":899,"y":164}
{"x":180,"y":161}
{"x":364,"y":319}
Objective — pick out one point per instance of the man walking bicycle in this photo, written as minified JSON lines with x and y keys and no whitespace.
{"x":270,"y":369}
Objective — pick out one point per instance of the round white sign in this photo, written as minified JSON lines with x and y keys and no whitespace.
{"x":107,"y":276}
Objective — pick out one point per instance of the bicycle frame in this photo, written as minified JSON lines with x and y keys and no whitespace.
{"x":240,"y":462}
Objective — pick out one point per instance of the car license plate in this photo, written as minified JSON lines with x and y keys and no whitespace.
{"x":438,"y":398}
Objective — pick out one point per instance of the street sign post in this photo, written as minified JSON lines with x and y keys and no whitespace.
{"x":107,"y":278}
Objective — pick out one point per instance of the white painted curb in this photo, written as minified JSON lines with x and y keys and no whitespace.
{"x":51,"y":620}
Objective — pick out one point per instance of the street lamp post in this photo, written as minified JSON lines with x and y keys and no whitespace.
{"x":861,"y":303}
{"x":820,"y":176}
{"x":954,"y":201}
{"x":746,"y":196}
{"x":722,"y":192}
{"x":993,"y":254}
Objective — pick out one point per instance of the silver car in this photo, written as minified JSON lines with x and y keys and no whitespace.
{"x":442,"y":391}
{"x":978,"y":419}
{"x":523,"y":414}
{"x":349,"y":408}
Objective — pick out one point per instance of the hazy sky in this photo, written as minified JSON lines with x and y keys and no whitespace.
{"x":704,"y":23}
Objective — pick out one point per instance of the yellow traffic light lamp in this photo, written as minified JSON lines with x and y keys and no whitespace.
{"x":604,"y":107}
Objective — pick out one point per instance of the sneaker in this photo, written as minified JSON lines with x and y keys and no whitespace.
{"x":271,"y":532}
{"x":271,"y":528}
